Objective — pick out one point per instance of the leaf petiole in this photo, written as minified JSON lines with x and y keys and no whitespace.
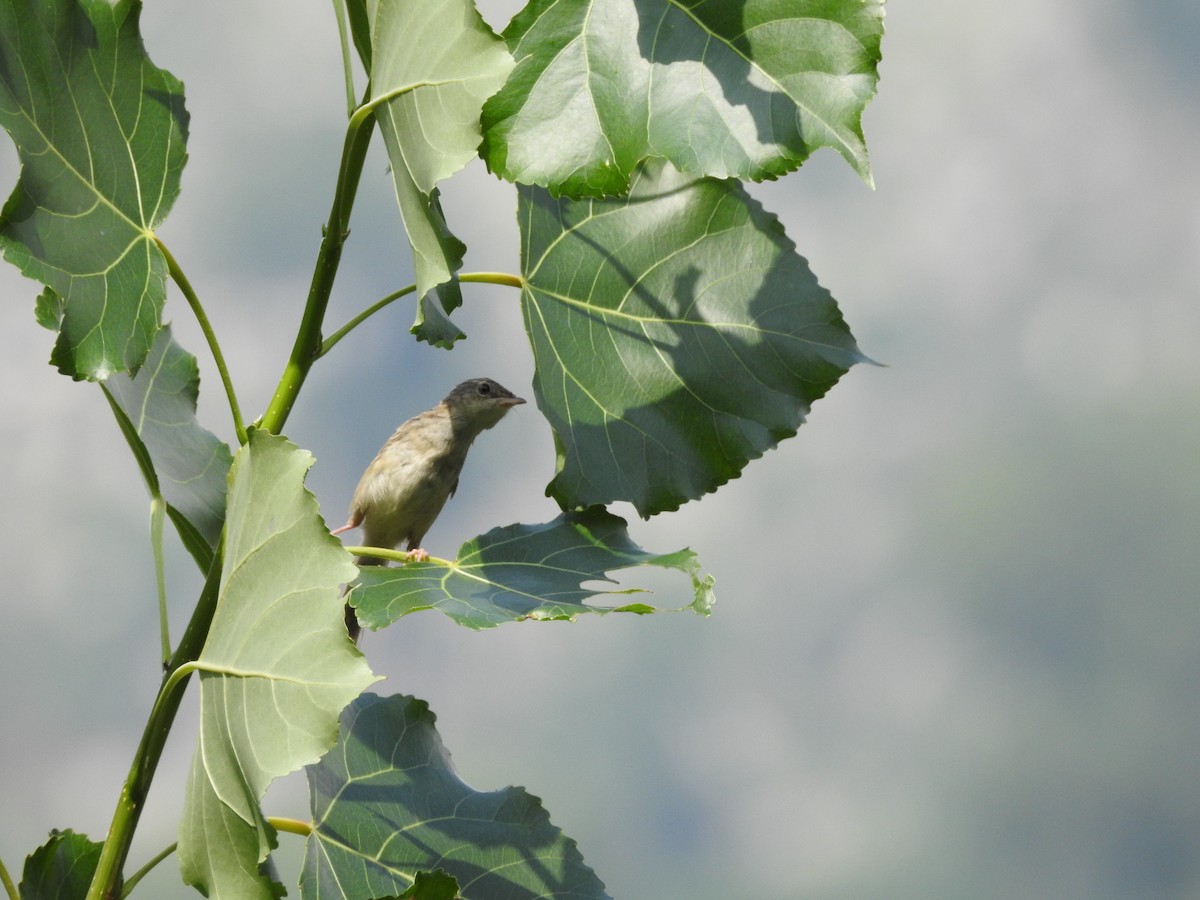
{"x":158,"y":514}
{"x":291,"y":826}
{"x":401,"y":556}
{"x":145,"y":870}
{"x":6,"y":880}
{"x":329,"y":342}
{"x":504,"y":278}
{"x":280,"y":823}
{"x":339,"y":13}
{"x":477,"y":277}
{"x":210,"y":336}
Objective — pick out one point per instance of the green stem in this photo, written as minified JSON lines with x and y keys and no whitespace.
{"x":330,"y":341}
{"x":6,"y":880}
{"x":291,"y":826}
{"x":400,"y":556}
{"x":106,"y":884}
{"x":141,"y":873}
{"x":339,"y":13}
{"x":493,"y":278}
{"x":210,"y":336}
{"x":480,"y":277}
{"x":158,"y":513}
{"x":307,"y":348}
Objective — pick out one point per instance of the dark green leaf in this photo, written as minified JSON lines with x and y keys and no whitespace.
{"x":676,"y":333}
{"x":360,"y":30}
{"x":190,"y":463}
{"x":747,"y":89}
{"x":432,"y":886}
{"x":48,"y":309}
{"x":276,"y":670}
{"x":522,"y":572}
{"x":387,"y":804}
{"x":100,"y":132}
{"x":60,"y":869}
{"x":432,"y":66}
{"x":433,"y":324}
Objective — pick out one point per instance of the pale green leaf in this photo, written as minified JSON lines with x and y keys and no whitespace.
{"x":676,"y":334}
{"x":746,"y":89}
{"x":432,"y":66}
{"x":523,"y":572}
{"x":388,"y":805}
{"x":189,"y":463}
{"x":100,"y":133}
{"x":276,"y":670}
{"x":433,"y":323}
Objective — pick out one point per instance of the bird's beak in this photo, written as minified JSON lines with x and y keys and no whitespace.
{"x":512,"y":401}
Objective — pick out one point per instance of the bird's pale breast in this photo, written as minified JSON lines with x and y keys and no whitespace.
{"x":408,"y":483}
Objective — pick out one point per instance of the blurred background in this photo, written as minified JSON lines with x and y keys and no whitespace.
{"x":956,"y":649}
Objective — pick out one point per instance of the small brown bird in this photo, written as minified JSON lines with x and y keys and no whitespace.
{"x":416,"y":472}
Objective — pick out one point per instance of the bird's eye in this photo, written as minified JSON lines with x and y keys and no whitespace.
{"x":485,"y":388}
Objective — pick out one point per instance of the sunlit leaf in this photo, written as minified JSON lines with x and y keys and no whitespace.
{"x":60,"y":869}
{"x":432,"y":66}
{"x":523,"y":572}
{"x":676,"y":333}
{"x":275,"y":672}
{"x":746,"y":89}
{"x":100,"y":133}
{"x":189,"y":464}
{"x":387,"y":805}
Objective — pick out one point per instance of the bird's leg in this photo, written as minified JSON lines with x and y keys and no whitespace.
{"x":345,"y":527}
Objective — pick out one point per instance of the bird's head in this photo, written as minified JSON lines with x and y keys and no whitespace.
{"x":480,"y":403}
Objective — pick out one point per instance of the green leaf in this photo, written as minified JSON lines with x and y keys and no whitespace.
{"x":48,"y":309}
{"x":188,"y":463}
{"x":276,"y":670}
{"x":360,"y":30}
{"x":432,"y":66}
{"x":433,"y":324}
{"x":387,"y":805}
{"x":522,"y":572}
{"x":745,"y":89}
{"x":60,"y":869}
{"x":432,"y":886}
{"x":100,"y":132}
{"x":676,"y":336}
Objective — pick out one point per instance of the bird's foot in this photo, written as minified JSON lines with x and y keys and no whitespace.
{"x":418,"y":555}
